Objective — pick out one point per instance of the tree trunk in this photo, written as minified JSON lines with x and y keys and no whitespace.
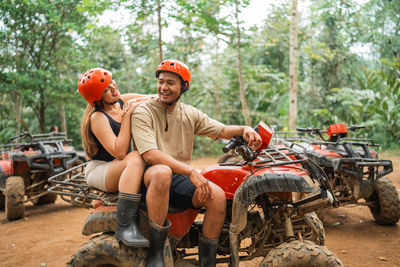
{"x":293,"y":69}
{"x":18,"y":113}
{"x":62,"y":107}
{"x":159,"y":29}
{"x":239,"y":68}
{"x":127,"y":68}
{"x":62,"y":117}
{"x":26,"y":127}
{"x":42,"y":113}
{"x":217,"y":88}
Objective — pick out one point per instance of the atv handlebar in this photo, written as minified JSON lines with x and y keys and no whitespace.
{"x":356,"y":127}
{"x":318,"y":131}
{"x":233,"y":143}
{"x":311,"y":130}
{"x":22,"y":135}
{"x":240,"y":146}
{"x":42,"y":137}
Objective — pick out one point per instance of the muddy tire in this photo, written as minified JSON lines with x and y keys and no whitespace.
{"x":318,"y":235}
{"x":104,"y":250}
{"x":14,"y":196}
{"x":2,"y":201}
{"x":46,"y":199}
{"x":300,"y":254}
{"x":386,"y":210}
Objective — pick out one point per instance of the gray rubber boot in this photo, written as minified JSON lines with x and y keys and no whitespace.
{"x":127,"y":230}
{"x":158,"y":236}
{"x":207,"y":251}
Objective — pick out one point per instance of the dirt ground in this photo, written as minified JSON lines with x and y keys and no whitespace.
{"x":50,"y":234}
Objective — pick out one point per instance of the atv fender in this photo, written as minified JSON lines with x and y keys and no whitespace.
{"x":318,"y":158}
{"x":249,"y":190}
{"x":104,"y":220}
{"x":5,"y":171}
{"x":100,"y":222}
{"x":259,"y":184}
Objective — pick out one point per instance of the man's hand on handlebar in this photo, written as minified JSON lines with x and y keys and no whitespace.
{"x":252,"y":137}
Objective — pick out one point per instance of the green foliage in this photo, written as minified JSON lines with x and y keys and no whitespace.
{"x":376,"y":104}
{"x":7,"y":129}
{"x":46,"y":45}
{"x":37,"y":44}
{"x":204,"y":146}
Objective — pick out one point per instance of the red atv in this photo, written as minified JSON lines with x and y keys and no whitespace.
{"x":25,"y":166}
{"x":354,"y":170}
{"x":271,"y":197}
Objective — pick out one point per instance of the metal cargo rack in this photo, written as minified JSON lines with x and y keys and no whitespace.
{"x":72,"y":188}
{"x":33,"y":138}
{"x":26,"y":140}
{"x":278,"y":157}
{"x":302,"y":138}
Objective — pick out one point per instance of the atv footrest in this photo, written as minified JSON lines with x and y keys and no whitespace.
{"x":314,"y":202}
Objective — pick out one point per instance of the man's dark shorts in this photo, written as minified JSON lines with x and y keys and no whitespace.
{"x":180,"y":192}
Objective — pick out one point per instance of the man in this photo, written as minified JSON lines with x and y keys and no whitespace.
{"x":163,"y":130}
{"x":54,"y":129}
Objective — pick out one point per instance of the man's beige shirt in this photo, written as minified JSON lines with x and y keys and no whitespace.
{"x":170,"y":131}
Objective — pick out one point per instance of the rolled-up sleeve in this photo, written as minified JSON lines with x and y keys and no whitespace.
{"x":206,"y":126}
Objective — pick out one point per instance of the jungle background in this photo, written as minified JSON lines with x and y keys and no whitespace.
{"x":347,"y":68}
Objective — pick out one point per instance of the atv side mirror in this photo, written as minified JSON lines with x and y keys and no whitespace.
{"x":336,"y":131}
{"x":265,"y":133}
{"x":338,"y":128}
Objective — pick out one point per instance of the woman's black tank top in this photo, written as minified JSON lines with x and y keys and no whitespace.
{"x":103,"y":154}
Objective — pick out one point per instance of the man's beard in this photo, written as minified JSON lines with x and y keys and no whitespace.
{"x":169,"y":103}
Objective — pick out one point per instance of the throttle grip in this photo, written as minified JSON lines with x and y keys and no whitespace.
{"x":231,"y":145}
{"x":356,"y":127}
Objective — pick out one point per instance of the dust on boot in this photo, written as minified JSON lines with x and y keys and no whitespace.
{"x":127,"y":230}
{"x":207,"y":251}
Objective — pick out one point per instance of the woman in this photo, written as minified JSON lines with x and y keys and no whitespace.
{"x":105,"y":133}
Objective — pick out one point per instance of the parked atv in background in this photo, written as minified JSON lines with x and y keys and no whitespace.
{"x":354,"y":170}
{"x":271,"y":197}
{"x":26,"y":165}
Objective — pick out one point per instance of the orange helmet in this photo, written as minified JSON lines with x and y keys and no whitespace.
{"x":177,"y":67}
{"x":92,"y":84}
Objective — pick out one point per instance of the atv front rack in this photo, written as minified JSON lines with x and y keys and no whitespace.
{"x":357,"y":163}
{"x":72,"y":188}
{"x":272,"y":156}
{"x":47,"y":151}
{"x":34,"y":138}
{"x":300,"y":138}
{"x":269,"y":157}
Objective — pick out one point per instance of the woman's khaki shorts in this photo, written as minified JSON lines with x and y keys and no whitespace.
{"x":95,"y":173}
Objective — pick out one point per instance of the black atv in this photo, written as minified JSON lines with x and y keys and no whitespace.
{"x":354,"y":170}
{"x":25,"y":166}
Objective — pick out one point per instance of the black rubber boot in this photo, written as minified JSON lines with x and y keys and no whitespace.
{"x":158,"y":235}
{"x":127,"y":230}
{"x":207,"y":251}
